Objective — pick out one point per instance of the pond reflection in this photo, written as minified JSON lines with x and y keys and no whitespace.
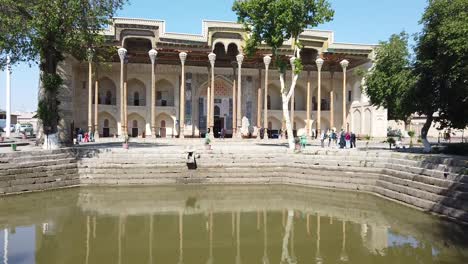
{"x":221,"y":224}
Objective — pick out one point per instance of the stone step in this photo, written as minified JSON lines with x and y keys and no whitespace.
{"x":458,"y":204}
{"x":40,"y":186}
{"x":460,"y":215}
{"x":38,"y":163}
{"x":29,"y":171}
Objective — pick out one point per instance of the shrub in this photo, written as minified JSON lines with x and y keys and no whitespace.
{"x":391,"y":141}
{"x":455,"y":149}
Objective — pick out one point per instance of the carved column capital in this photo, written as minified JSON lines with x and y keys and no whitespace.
{"x":153,"y":54}
{"x":122,"y":54}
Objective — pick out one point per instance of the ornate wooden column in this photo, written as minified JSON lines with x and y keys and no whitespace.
{"x":212,"y":58}
{"x":122,"y":54}
{"x":152,"y":54}
{"x":344,"y":65}
{"x":90,"y":55}
{"x":234,"y":100}
{"x":183,"y":57}
{"x":266,"y":61}
{"x":208,"y":101}
{"x":96,"y":109}
{"x":319,"y":63}
{"x":259,"y":103}
{"x":308,"y":105}
{"x":332,"y":102}
{"x":240,"y":59}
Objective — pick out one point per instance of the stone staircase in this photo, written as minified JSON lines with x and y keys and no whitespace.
{"x":431,"y":183}
{"x":37,"y":170}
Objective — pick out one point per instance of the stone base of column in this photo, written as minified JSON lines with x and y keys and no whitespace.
{"x":265,"y":135}
{"x":239,"y":133}
{"x":96,"y":133}
{"x":182,"y":132}
{"x":153,"y":132}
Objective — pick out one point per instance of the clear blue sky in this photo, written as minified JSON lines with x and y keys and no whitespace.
{"x":356,"y":21}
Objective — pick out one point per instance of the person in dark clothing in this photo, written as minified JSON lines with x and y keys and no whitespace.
{"x":353,"y":140}
{"x":342,"y":139}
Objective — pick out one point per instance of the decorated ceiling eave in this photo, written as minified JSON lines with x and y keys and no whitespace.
{"x":317,"y":42}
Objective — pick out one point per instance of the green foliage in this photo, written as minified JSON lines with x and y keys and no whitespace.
{"x":391,"y":141}
{"x":274,"y":21}
{"x":442,"y":63}
{"x":456,"y":149}
{"x":411,"y":133}
{"x":389,"y":81}
{"x":44,"y":31}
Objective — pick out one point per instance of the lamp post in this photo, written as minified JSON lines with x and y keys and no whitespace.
{"x":8,"y":97}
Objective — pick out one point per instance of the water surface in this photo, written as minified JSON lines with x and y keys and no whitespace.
{"x":221,"y":224}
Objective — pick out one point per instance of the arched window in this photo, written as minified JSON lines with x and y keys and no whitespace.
{"x":163,"y":123}
{"x":217,"y":111}
{"x":135,"y":123}
{"x":106,"y":123}
{"x":268,"y":102}
{"x":270,"y":125}
{"x":314,"y":103}
{"x":136,"y":99}
{"x":108,"y":100}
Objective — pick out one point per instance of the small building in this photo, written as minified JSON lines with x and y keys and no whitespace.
{"x":14,"y":118}
{"x":27,"y":118}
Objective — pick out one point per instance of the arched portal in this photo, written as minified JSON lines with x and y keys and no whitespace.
{"x":166,"y":125}
{"x":136,"y":125}
{"x":357,"y":122}
{"x":107,"y":92}
{"x":107,"y":126}
{"x":136,"y":92}
{"x":164,"y":93}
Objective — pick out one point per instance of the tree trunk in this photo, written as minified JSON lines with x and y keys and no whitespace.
{"x":285,"y":258}
{"x":425,"y":131}
{"x":285,"y":97}
{"x":48,"y":102}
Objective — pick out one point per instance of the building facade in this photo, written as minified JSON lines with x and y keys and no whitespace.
{"x":154,"y":76}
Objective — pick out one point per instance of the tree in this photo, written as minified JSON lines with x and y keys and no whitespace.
{"x":273,"y":22}
{"x":47,"y":31}
{"x":391,"y":77}
{"x":441,"y":66}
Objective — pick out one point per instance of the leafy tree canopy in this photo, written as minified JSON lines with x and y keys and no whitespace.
{"x":274,"y":21}
{"x":441,"y":63}
{"x":47,"y":30}
{"x":391,"y":78}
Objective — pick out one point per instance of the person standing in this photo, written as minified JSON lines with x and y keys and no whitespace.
{"x":334,"y":137}
{"x":353,"y":140}
{"x":323,"y":136}
{"x":348,"y":140}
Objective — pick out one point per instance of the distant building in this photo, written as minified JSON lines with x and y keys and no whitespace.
{"x":27,"y":118}
{"x":14,"y":118}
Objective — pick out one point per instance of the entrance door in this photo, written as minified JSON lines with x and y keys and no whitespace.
{"x":163,"y":129}
{"x":105,"y":129}
{"x":135,"y":128}
{"x":218,"y":125}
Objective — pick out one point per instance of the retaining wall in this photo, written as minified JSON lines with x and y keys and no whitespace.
{"x":430,"y":182}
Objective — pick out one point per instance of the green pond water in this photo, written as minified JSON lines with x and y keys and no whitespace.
{"x":221,"y":224}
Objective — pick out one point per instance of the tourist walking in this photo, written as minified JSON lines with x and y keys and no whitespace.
{"x":353,"y":140}
{"x":342,"y":139}
{"x":223,"y":133}
{"x":329,"y":135}
{"x":348,"y":140}
{"x":334,"y":137}
{"x":323,"y":136}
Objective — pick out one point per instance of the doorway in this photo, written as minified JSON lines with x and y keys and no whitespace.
{"x":105,"y":129}
{"x":162,"y":132}
{"x":135,"y":128}
{"x":218,"y":125}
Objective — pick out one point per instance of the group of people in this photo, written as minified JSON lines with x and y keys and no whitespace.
{"x":83,"y":137}
{"x":343,"y":139}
